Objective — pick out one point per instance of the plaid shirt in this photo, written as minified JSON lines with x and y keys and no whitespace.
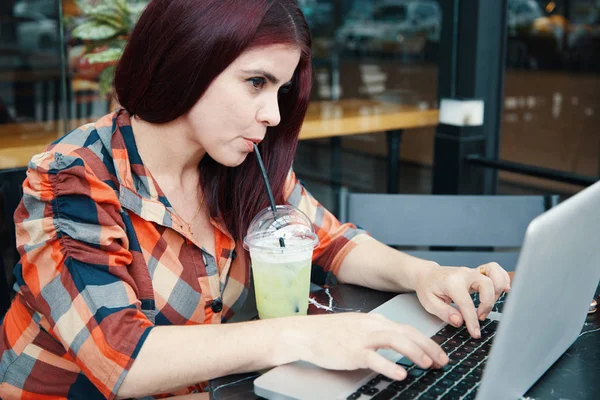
{"x":104,"y":258}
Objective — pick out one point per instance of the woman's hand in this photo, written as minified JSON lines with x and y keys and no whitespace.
{"x":349,"y":341}
{"x":438,"y":286}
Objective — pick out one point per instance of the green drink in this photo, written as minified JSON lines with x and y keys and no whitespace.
{"x":281,"y":274}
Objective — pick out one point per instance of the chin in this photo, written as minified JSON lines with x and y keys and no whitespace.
{"x":232,"y":162}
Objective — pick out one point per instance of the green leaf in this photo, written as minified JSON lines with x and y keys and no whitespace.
{"x":106,"y":80}
{"x":136,"y":10}
{"x":92,"y":30}
{"x":105,"y":56}
{"x":104,"y":14}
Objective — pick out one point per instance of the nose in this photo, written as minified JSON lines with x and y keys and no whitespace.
{"x":269,"y":112}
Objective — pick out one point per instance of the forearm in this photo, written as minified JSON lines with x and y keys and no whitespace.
{"x":174,"y":357}
{"x":377,"y":266}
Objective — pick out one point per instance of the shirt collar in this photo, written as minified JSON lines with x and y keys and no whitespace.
{"x":139,"y":191}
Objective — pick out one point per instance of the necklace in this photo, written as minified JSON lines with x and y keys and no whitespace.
{"x":189,"y":224}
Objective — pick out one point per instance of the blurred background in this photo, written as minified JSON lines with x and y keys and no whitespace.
{"x":56,"y":61}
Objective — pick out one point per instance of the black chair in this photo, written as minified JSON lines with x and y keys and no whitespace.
{"x":11,"y":191}
{"x":451,"y":230}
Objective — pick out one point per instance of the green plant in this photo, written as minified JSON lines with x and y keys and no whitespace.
{"x":104,"y":31}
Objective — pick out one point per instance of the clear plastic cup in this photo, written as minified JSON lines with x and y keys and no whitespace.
{"x":281,"y":274}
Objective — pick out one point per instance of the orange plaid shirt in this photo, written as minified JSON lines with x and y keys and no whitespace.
{"x":104,"y":258}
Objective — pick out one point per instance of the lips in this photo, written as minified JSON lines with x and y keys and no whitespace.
{"x":250,"y":143}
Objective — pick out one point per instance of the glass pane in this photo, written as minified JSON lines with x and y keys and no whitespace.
{"x":551,"y":113}
{"x":368,"y":56}
{"x":30,"y":101}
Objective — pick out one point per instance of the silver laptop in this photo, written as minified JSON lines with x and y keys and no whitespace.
{"x":556,"y":277}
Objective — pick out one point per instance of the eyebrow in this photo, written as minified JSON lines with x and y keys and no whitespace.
{"x":270,"y":77}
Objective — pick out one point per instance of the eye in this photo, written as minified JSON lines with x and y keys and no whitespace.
{"x":257,"y":83}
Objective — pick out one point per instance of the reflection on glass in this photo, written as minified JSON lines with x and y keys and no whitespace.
{"x":551,"y":109}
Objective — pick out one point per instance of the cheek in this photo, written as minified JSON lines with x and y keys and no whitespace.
{"x":238,"y":113}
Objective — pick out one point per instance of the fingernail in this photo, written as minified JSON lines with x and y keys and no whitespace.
{"x":507,"y":288}
{"x":483,"y":316}
{"x":401,"y":374}
{"x":444,"y":358}
{"x":455,"y":320}
{"x":427,"y":360}
{"x":477,"y":333}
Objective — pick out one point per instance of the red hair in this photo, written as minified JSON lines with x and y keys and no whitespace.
{"x":178,"y":47}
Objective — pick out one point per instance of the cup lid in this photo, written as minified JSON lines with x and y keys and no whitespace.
{"x":288,"y":223}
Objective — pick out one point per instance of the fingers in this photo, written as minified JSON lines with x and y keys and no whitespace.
{"x":412,"y":344}
{"x":499,"y":277}
{"x":463,"y":300}
{"x":382,"y":365}
{"x":443,"y":311}
{"x":487,"y":296}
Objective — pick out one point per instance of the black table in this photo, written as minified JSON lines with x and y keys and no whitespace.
{"x":575,"y":376}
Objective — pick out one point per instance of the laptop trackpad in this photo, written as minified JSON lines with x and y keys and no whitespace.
{"x":301,"y":380}
{"x":406,"y":309}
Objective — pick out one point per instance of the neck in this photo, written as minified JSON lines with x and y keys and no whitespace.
{"x":168,"y":151}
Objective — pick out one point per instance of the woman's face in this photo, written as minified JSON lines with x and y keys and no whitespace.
{"x":242,"y":102}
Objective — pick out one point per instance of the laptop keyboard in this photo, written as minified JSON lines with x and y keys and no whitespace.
{"x":459,"y":379}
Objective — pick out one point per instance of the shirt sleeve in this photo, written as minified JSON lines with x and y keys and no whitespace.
{"x":74,"y":267}
{"x":335,"y":239}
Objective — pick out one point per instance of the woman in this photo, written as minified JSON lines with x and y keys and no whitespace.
{"x":130,"y":228}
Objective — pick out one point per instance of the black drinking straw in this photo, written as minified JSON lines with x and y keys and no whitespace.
{"x":268,"y":185}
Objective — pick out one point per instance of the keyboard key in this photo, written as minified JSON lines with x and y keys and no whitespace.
{"x":354,"y":396}
{"x":419,"y":386}
{"x":460,"y":390}
{"x":436,"y":390}
{"x":486,"y":333}
{"x":445,"y":383}
{"x":428,"y":379}
{"x":447,"y":348}
{"x":363,"y":388}
{"x":439,"y":339}
{"x":405,"y":362}
{"x":493,"y":325}
{"x":436,"y":372}
{"x":448,"y":331}
{"x":466,"y":349}
{"x":385,"y":394}
{"x":427,"y":397}
{"x":461,"y":369}
{"x":482,"y":351}
{"x":374,"y":382}
{"x":453,"y":376}
{"x":398,"y":385}
{"x":457,"y":355}
{"x":462,"y":336}
{"x":410,"y":394}
{"x":471,"y":379}
{"x":476,"y":374}
{"x":454,"y":342}
{"x":471,"y":396}
{"x":474,"y":343}
{"x":416,"y":372}
{"x":383,"y":378}
{"x":451,"y":396}
{"x":446,"y":367}
{"x":469,"y":363}
{"x":372,"y":391}
{"x":465,"y":384}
